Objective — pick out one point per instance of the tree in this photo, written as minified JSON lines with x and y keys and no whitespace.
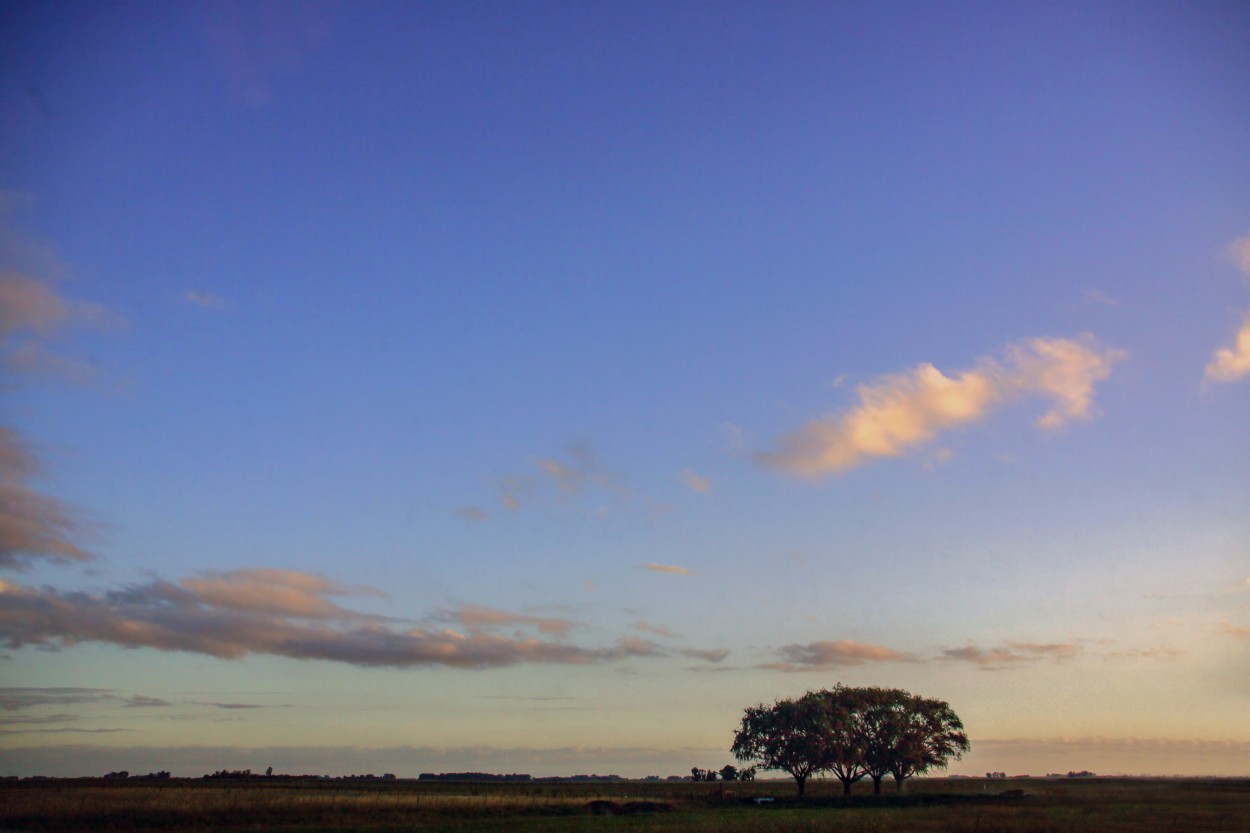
{"x":853,"y":733}
{"x":785,"y":736}
{"x":905,"y":735}
{"x":842,"y":745}
{"x":729,"y":772}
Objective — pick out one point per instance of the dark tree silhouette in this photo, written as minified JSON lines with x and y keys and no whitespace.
{"x":906,"y":735}
{"x":785,"y":736}
{"x":853,"y":733}
{"x":841,"y":728}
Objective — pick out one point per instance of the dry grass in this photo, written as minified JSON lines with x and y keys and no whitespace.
{"x":938,"y":806}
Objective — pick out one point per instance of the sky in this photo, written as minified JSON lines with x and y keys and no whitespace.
{"x":418,"y":387}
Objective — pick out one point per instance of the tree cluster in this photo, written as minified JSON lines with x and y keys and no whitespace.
{"x":853,"y":733}
{"x":728,"y":772}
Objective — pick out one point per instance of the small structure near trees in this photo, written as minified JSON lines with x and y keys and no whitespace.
{"x":854,"y":733}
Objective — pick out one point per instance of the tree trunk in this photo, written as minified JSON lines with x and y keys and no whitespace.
{"x":876,"y":785}
{"x":898,"y":783}
{"x":846,"y":786}
{"x":802,"y":782}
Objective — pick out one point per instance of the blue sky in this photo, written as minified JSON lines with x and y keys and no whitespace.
{"x":533,"y":387}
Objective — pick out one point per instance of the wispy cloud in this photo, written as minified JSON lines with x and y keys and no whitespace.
{"x":227,"y":617}
{"x":1012,"y":653}
{"x":25,"y":697}
{"x":32,"y":306}
{"x":30,"y":720}
{"x":1097,"y":297}
{"x":647,"y":627}
{"x":1239,"y":253}
{"x":477,"y":617}
{"x":63,"y":730}
{"x":570,"y":477}
{"x":473,"y":514}
{"x":671,"y":569}
{"x":713,"y":655}
{"x":898,"y":413}
{"x":1235,"y":631}
{"x":696,"y":482}
{"x":820,"y":656}
{"x":1230,"y":364}
{"x":205,"y":300}
{"x":33,"y":525}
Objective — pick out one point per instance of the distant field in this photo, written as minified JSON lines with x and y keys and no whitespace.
{"x":967,"y":806}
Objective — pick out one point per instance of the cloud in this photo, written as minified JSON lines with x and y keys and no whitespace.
{"x":735,"y":439}
{"x":33,"y":721}
{"x":473,"y":514}
{"x":140,"y":702}
{"x":24,"y":697}
{"x":667,"y":568}
{"x":1012,"y":653}
{"x":255,"y":48}
{"x":229,"y":616}
{"x":581,"y":471}
{"x":647,"y":627}
{"x":1229,"y":364}
{"x":1235,"y":631}
{"x":282,"y":592}
{"x":205,"y":300}
{"x":696,"y":482}
{"x":707,"y":654}
{"x":32,"y":525}
{"x":1097,"y":297}
{"x":476,"y":617}
{"x":571,"y":481}
{"x":33,"y":306}
{"x":819,"y":656}
{"x":901,"y":412}
{"x":1239,"y":253}
{"x":63,"y":730}
{"x":30,"y":359}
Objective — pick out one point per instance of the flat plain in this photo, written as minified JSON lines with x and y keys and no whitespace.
{"x":342,"y":806}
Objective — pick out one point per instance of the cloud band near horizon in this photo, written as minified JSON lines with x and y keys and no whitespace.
{"x":284,"y":613}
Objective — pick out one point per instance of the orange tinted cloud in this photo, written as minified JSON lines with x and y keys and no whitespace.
{"x":818,"y":656}
{"x":901,"y":412}
{"x":1229,"y":364}
{"x":667,"y":568}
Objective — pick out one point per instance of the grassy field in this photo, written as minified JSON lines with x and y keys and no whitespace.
{"x":971,"y":806}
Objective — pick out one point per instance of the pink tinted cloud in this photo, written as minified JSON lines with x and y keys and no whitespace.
{"x":1012,"y":653}
{"x":229,"y":617}
{"x":33,"y":526}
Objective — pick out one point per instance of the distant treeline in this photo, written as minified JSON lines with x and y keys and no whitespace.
{"x":516,"y":776}
{"x":471,"y":776}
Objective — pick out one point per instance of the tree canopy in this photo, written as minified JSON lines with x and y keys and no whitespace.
{"x":852,"y":733}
